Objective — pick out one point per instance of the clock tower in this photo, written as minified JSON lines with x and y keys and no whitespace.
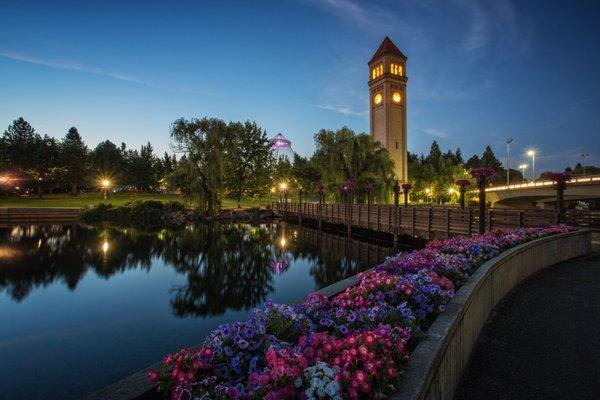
{"x":387,"y":94}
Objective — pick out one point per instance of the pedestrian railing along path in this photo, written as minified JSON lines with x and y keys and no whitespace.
{"x":422,"y":221}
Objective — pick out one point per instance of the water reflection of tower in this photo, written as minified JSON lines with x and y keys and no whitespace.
{"x":282,"y":147}
{"x":281,"y":260}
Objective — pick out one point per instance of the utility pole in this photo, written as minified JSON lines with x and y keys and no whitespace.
{"x":508,"y":142}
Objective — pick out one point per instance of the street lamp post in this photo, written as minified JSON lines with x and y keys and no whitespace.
{"x":508,"y":142}
{"x":105,"y":186}
{"x":531,"y":153}
{"x":523,"y":167}
{"x":583,"y":157}
{"x":396,"y":193}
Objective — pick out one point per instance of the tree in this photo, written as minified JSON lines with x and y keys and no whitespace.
{"x":248,"y":161}
{"x":473,"y":162}
{"x":305,"y":174}
{"x":343,"y":155}
{"x":20,"y":144}
{"x":24,"y":152}
{"x":489,"y":160}
{"x":200,"y":174}
{"x":107,"y":159}
{"x":74,"y":159}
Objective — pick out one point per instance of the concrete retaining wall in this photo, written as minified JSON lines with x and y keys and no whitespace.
{"x":438,"y":362}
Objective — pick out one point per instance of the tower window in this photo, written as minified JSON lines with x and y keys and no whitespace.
{"x":377,"y":72}
{"x":396,"y":69}
{"x":396,"y":145}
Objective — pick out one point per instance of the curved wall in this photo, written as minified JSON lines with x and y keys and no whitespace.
{"x":437,"y":364}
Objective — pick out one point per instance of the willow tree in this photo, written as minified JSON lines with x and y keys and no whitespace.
{"x":344,"y":155}
{"x":200,"y":173}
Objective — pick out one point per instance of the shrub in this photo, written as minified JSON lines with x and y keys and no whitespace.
{"x":149,"y":214}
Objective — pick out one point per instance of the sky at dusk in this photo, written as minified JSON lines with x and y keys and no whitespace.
{"x":479,"y":71}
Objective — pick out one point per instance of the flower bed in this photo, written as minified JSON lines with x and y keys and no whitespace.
{"x":353,"y":345}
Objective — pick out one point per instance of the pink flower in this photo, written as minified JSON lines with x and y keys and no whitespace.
{"x":153,"y":376}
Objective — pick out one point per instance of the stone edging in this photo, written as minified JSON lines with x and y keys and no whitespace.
{"x":437,"y":364}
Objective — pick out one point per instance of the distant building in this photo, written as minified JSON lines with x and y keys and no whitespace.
{"x":387,"y":89}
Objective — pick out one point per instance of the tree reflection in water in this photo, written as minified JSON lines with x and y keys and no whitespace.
{"x":226,"y":267}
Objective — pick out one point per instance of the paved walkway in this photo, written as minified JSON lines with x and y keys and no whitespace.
{"x":543,"y":340}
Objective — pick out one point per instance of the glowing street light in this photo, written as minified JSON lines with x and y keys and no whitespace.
{"x":105,"y":247}
{"x":4,"y":179}
{"x":105,"y":183}
{"x":523,"y":167}
{"x":531,"y":153}
{"x":451,"y":191}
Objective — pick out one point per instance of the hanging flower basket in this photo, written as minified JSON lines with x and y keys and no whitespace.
{"x":482,"y":173}
{"x":560,"y":177}
{"x":462,"y":183}
{"x":406,"y":186}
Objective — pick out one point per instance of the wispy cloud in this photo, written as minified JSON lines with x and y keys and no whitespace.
{"x":366,"y":14}
{"x":456,"y":46}
{"x":436,"y":132}
{"x":73,"y":66}
{"x":342,"y":109}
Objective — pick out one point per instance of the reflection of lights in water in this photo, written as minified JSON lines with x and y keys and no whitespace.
{"x":105,"y":247}
{"x":39,"y":243}
{"x":282,"y":241}
{"x":8,"y":252}
{"x":280,"y":265}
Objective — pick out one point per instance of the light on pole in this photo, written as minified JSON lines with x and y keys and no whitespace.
{"x":508,"y":142}
{"x":583,"y":157}
{"x":531,"y":153}
{"x":105,"y":186}
{"x":523,"y":167}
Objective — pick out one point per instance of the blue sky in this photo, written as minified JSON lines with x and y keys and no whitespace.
{"x":479,"y":71}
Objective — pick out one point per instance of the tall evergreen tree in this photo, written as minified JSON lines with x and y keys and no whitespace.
{"x":74,"y":159}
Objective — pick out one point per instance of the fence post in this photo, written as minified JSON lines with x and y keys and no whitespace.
{"x":447,"y":223}
{"x":521,"y":219}
{"x":429,"y":215}
{"x":470,"y":222}
{"x":378,"y":217}
{"x":414,"y":222}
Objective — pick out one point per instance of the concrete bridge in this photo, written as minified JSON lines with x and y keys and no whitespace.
{"x":542,"y":193}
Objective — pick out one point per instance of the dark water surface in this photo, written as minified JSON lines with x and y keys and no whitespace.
{"x":81,"y":307}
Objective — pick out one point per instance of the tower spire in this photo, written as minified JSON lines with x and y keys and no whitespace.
{"x":387,"y":47}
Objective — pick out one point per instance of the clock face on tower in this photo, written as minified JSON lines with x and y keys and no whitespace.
{"x":397,"y":97}
{"x":377,"y":99}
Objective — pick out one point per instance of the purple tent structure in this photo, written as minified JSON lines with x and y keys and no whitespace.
{"x":281,"y":147}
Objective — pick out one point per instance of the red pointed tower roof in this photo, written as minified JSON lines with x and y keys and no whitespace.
{"x":387,"y":47}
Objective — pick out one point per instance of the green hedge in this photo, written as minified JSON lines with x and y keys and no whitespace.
{"x":150,"y":214}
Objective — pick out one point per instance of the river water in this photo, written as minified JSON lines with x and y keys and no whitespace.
{"x":82,"y":307}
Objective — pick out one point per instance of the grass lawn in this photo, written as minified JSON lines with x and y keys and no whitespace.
{"x":88,"y":199}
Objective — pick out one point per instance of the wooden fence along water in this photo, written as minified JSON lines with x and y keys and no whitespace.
{"x":420,"y":221}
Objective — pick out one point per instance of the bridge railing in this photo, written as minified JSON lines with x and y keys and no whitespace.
{"x":583,"y":180}
{"x":424,"y":221}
